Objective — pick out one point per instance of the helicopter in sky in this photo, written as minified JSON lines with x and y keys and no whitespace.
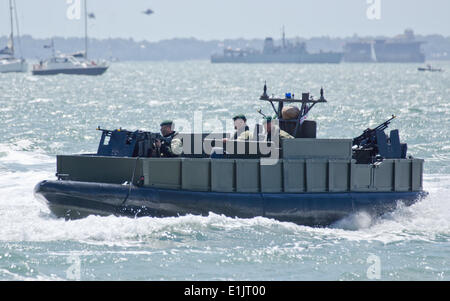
{"x":148,"y":12}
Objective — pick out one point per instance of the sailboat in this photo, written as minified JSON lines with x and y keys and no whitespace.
{"x":76,"y":63}
{"x":8,"y":61}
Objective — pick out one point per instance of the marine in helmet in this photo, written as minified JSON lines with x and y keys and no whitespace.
{"x":271,"y":128}
{"x":242,"y":130}
{"x":172,"y":145}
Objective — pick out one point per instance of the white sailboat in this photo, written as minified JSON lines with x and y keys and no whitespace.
{"x":77,"y":63}
{"x":8,"y":61}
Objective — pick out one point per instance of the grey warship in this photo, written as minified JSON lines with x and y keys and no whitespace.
{"x":305,"y":180}
{"x":286,"y":53}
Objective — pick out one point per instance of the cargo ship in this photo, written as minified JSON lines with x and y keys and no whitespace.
{"x":400,"y":49}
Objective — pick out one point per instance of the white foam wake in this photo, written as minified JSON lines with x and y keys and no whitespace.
{"x":22,"y":218}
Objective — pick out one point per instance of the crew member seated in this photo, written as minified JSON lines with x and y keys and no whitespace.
{"x":242,"y":130}
{"x":172,"y":146}
{"x":270,"y":128}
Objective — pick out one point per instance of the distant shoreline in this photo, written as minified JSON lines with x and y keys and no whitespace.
{"x":436,"y":47}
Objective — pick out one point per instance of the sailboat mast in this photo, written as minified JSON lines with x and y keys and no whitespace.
{"x":12,"y":26}
{"x":85,"y":30}
{"x":53,"y":48}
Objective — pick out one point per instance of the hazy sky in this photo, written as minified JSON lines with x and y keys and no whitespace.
{"x":219,"y":19}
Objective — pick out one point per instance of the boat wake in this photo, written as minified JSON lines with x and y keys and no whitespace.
{"x":427,"y":220}
{"x":27,"y":228}
{"x":355,"y":221}
{"x":23,"y":218}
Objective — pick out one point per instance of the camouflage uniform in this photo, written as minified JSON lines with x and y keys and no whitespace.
{"x":176,"y":145}
{"x":282,"y":134}
{"x":172,"y":147}
{"x":242,"y":135}
{"x":285,"y":135}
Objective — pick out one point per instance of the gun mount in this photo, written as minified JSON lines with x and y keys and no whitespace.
{"x":298,"y":127}
{"x":374,"y":145}
{"x":123,"y":143}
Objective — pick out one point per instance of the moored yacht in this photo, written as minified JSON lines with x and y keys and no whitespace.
{"x":8,"y":61}
{"x":76,"y":63}
{"x":69,"y":64}
{"x":12,"y":64}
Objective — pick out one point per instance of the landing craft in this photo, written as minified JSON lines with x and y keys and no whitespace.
{"x":303,"y":179}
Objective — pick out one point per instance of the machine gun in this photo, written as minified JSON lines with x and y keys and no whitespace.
{"x":123,"y":143}
{"x":373,"y":144}
{"x":368,"y":138}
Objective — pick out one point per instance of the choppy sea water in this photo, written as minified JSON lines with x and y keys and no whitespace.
{"x":44,"y":116}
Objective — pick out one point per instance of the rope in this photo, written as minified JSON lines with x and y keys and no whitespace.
{"x":131,"y":182}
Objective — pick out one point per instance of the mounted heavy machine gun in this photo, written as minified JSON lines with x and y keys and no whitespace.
{"x":373,"y":144}
{"x":123,"y":143}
